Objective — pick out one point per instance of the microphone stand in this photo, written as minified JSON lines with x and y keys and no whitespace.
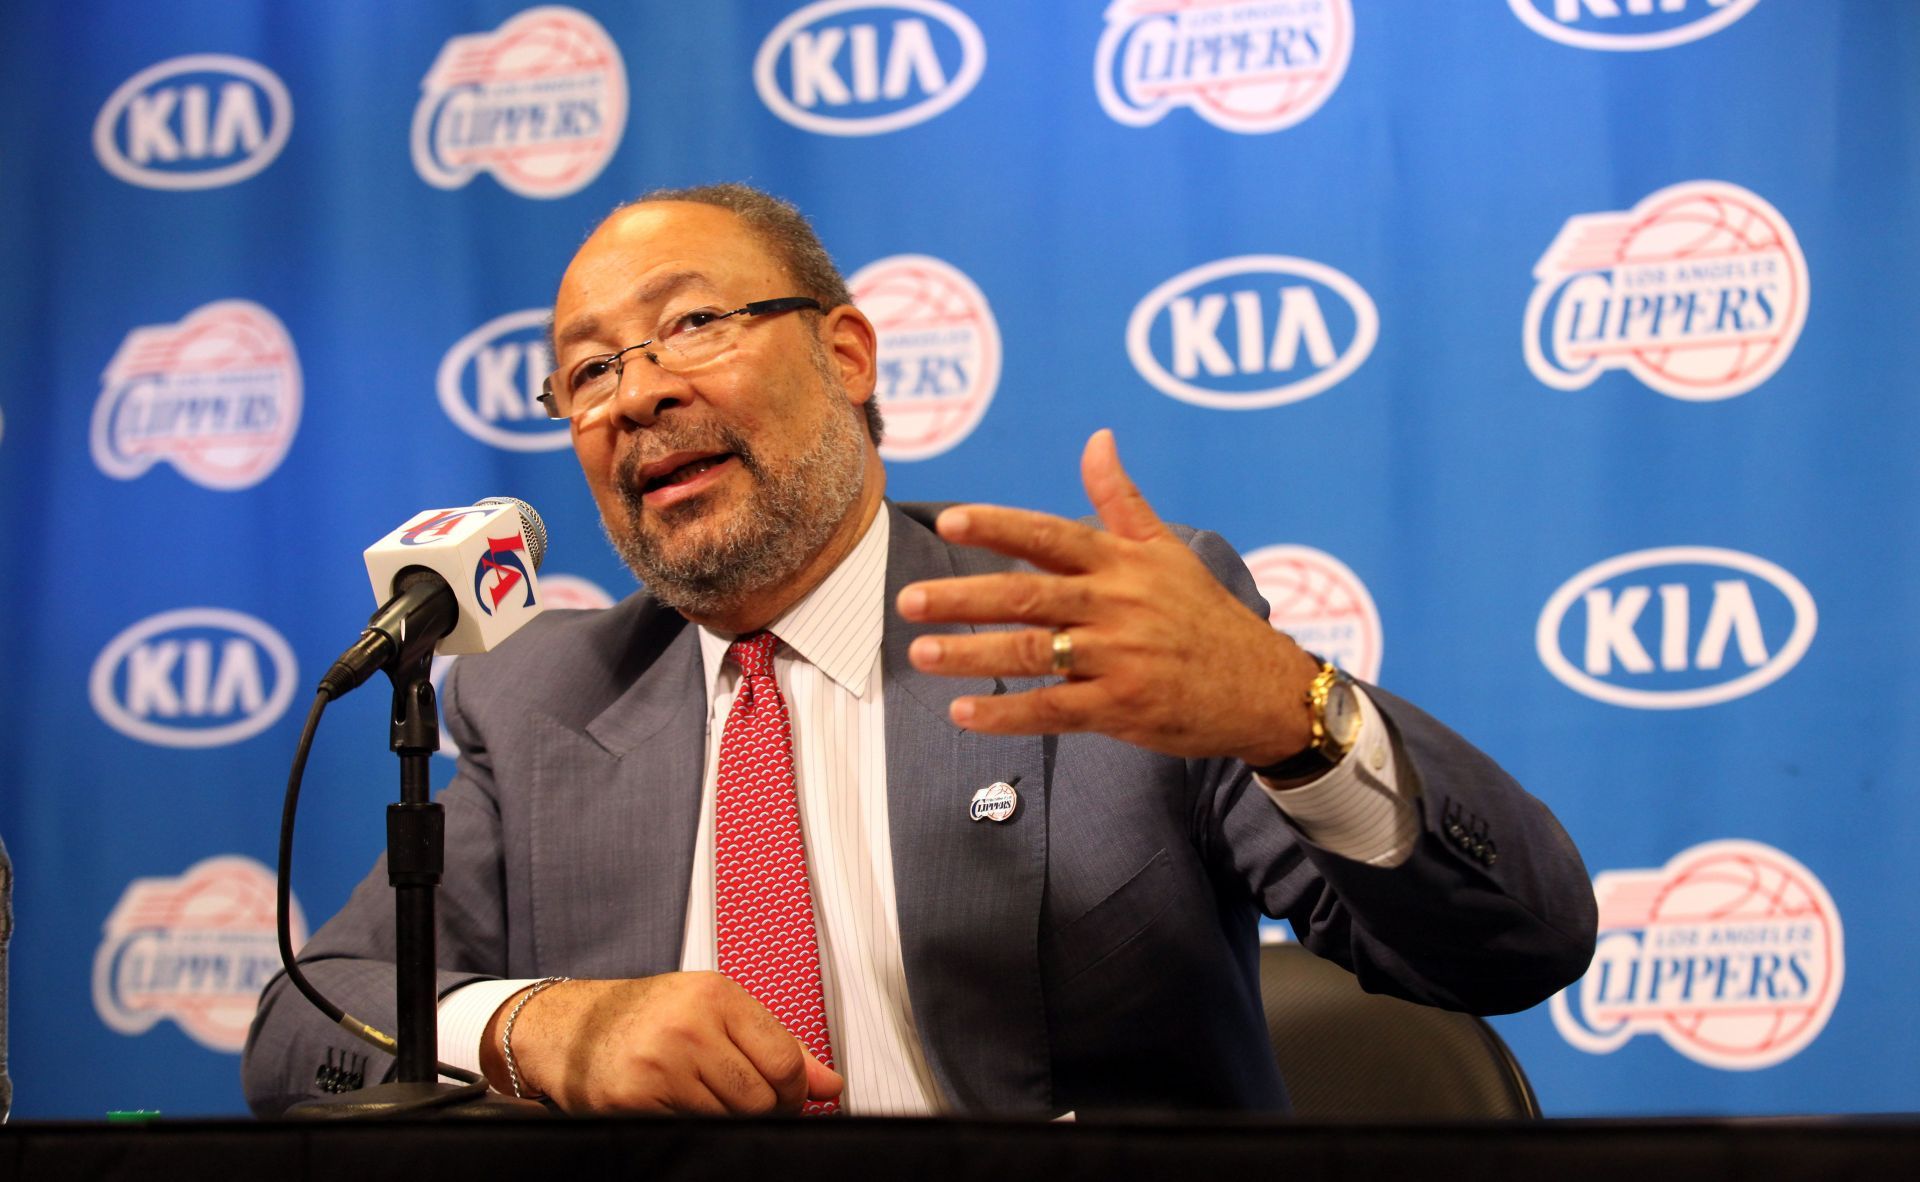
{"x":416,"y":846}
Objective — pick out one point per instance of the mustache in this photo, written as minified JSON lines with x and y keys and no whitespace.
{"x":664,"y":439}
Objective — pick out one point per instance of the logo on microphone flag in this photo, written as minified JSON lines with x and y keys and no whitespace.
{"x":500,"y":571}
{"x":438,"y":525}
{"x":482,"y":553}
{"x":558,"y":592}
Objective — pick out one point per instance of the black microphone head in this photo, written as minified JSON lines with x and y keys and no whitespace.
{"x":530,"y":524}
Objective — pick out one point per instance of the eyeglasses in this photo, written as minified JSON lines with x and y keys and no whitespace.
{"x":685,"y":342}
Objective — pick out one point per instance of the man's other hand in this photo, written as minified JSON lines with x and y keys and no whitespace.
{"x":1163,"y":656}
{"x":678,"y":1042}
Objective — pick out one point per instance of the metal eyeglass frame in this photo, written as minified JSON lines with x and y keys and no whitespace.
{"x":617,"y":359}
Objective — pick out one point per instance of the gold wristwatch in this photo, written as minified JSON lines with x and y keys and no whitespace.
{"x":1333,"y":708}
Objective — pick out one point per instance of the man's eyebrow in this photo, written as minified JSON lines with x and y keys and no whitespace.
{"x":578,"y":330}
{"x":659,"y":288}
{"x":665,"y":285}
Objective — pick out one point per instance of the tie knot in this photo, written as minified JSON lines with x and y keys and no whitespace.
{"x":754,"y":653}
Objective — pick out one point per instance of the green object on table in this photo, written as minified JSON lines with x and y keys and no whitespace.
{"x":132,"y":1116}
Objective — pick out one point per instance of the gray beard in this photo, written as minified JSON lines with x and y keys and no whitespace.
{"x":789,"y":517}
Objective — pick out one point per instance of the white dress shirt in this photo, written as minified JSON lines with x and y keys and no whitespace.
{"x":828,"y":669}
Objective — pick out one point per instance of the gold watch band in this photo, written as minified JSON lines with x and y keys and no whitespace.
{"x":1333,"y":749}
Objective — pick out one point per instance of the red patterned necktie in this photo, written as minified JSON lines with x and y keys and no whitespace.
{"x":763,"y":909}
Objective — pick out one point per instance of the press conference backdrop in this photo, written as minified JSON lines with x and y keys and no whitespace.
{"x":1549,"y":360}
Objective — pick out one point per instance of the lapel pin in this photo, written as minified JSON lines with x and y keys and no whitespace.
{"x":995,"y":802}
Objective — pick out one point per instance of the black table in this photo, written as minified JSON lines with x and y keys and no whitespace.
{"x":1190,"y":1149}
{"x":1193,"y":1150}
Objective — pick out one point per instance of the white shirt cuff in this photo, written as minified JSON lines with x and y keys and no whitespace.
{"x":1356,"y":810}
{"x":462,"y":1017}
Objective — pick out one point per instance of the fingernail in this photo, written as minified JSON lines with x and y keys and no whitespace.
{"x":961,"y":711}
{"x":925,"y":650}
{"x":913,"y":601}
{"x":955,"y":521}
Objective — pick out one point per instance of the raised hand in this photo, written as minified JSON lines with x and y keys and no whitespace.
{"x":1157,"y":652}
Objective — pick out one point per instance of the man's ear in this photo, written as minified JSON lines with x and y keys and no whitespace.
{"x":852,"y":345}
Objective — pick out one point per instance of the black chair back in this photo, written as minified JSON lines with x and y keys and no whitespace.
{"x":1348,"y":1054}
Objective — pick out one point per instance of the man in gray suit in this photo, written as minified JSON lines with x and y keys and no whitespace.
{"x":1050,"y":772}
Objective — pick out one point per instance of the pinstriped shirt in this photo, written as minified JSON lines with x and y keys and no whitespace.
{"x":829,"y":670}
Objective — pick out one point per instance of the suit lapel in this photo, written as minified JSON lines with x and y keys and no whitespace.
{"x":968,"y":892}
{"x":615,"y":812}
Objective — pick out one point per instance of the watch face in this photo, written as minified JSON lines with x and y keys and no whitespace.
{"x":1342,"y":713}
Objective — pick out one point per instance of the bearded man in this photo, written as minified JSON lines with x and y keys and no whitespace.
{"x":895,"y":809}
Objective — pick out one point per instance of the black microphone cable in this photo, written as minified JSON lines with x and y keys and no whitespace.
{"x":283,"y":895}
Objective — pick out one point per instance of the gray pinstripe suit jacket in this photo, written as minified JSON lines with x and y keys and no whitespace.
{"x":1096,"y":951}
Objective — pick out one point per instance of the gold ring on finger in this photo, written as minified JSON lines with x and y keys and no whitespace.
{"x":1062,"y":653}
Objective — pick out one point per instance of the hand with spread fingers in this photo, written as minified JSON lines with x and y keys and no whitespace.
{"x":1150,"y":647}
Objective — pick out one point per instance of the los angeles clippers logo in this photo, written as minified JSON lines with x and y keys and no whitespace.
{"x":502,"y":565}
{"x":940,"y":350}
{"x":1731,"y":953}
{"x":197,"y":949}
{"x":1244,"y":66}
{"x":216,"y":395}
{"x":1699,"y":291}
{"x":540,"y":103}
{"x":1318,"y":600}
{"x":439,"y":525}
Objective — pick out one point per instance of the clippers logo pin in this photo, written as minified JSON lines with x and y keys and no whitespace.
{"x":995,"y":802}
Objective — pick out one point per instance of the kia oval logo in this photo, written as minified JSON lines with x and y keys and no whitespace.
{"x":194,"y":122}
{"x":852,"y":67}
{"x":1250,"y":332}
{"x":1628,"y":25}
{"x":489,"y":383}
{"x":194,"y":677}
{"x":1676,"y":627}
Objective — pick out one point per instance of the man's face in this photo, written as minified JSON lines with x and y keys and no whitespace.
{"x":718,"y":482}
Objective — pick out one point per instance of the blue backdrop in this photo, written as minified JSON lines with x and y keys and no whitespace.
{"x":1550,"y":360}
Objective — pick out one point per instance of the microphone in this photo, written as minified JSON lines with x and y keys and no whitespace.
{"x":453,"y":581}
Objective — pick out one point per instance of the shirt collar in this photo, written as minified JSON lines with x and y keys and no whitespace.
{"x":837,"y":626}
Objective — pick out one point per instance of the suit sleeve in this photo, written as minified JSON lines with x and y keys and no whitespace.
{"x":350,"y":959}
{"x":1492,"y":912}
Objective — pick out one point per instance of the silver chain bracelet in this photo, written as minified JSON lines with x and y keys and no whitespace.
{"x":506,"y":1033}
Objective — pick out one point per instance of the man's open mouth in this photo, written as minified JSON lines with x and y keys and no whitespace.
{"x":679,"y":470}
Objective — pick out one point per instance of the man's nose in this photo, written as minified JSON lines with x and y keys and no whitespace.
{"x":647,"y":391}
